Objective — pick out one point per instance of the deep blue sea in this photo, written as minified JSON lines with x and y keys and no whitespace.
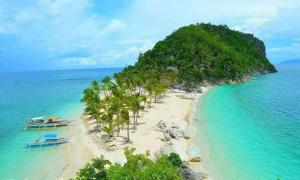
{"x":31,"y":94}
{"x":251,"y":131}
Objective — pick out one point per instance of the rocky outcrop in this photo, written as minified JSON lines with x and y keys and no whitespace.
{"x":188,"y":174}
{"x":195,"y":159}
{"x":171,"y":131}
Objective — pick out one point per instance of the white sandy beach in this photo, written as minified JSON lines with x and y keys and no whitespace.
{"x":174,"y":108}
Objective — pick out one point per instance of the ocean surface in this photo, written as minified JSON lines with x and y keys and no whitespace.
{"x":252,"y":130}
{"x":31,"y":94}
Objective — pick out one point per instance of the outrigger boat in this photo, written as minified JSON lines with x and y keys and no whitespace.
{"x":45,"y":122}
{"x":48,"y":140}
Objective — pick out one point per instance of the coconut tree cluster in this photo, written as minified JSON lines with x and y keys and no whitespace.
{"x":116,"y":103}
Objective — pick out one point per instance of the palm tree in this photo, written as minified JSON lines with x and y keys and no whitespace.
{"x":89,"y":96}
{"x":125,"y":119}
{"x":158,"y":90}
{"x":149,"y":87}
{"x":124,"y":95}
{"x":108,"y":128}
{"x":106,"y":86}
{"x":95,"y":112}
{"x":143,"y":98}
{"x":134,"y":104}
{"x":94,"y":105}
{"x":96,"y":88}
{"x":137,"y":83}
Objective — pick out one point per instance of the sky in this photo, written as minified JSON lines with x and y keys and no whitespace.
{"x":68,"y":34}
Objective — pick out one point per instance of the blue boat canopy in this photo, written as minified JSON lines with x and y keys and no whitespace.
{"x":50,"y":136}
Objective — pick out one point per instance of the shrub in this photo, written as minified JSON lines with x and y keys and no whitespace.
{"x":175,"y":159}
{"x":138,"y":166}
{"x":96,"y":170}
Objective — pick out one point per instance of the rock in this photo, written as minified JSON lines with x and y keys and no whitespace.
{"x":174,"y":133}
{"x":186,"y":137}
{"x":170,"y":144}
{"x":187,"y":173}
{"x":173,"y":125}
{"x":202,"y":176}
{"x":112,"y":147}
{"x":171,"y":132}
{"x":199,"y":90}
{"x":180,"y":133}
{"x":163,"y":139}
{"x":168,"y":137}
{"x":195,"y":159}
{"x":161,"y":125}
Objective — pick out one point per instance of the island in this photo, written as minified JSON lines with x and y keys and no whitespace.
{"x":137,"y":123}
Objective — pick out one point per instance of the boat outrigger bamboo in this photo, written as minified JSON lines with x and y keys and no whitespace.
{"x":46,"y":122}
{"x":48,"y":140}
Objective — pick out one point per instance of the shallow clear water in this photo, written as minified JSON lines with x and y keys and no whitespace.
{"x":252,"y":130}
{"x":31,"y":94}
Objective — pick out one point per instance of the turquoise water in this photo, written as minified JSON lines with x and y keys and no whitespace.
{"x":31,"y":94}
{"x":252,"y":130}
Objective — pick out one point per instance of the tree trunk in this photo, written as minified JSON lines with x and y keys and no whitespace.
{"x":118,"y":131}
{"x":112,"y":133}
{"x":128,"y":140}
{"x":150,"y":99}
{"x":134,"y":122}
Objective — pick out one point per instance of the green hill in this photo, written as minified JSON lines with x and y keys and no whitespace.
{"x":207,"y":53}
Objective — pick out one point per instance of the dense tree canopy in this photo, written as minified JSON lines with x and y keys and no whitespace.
{"x":207,"y":52}
{"x":137,"y":166}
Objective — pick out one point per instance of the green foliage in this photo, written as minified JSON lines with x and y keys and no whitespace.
{"x":206,"y":52}
{"x":162,"y":169}
{"x":96,"y":170}
{"x":140,"y":166}
{"x":137,"y":166}
{"x":175,"y":159}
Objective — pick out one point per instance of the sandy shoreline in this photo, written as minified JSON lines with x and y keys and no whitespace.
{"x":175,"y":109}
{"x":77,"y":152}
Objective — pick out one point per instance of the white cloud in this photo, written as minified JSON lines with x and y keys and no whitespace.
{"x":108,"y":57}
{"x":252,"y":25}
{"x":60,"y":28}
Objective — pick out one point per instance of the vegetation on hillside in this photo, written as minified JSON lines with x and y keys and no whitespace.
{"x":205,"y":52}
{"x":138,"y":166}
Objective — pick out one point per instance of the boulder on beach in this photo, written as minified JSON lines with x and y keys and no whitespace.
{"x":171,"y":131}
{"x":195,"y":159}
{"x":167,"y":137}
{"x":186,"y":137}
{"x":188,"y":173}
